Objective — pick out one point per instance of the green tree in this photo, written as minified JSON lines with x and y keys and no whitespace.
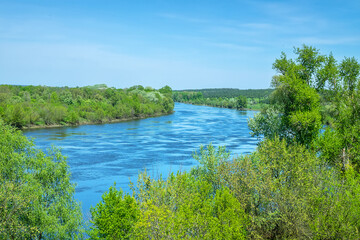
{"x":328,"y":75}
{"x":349,"y":72}
{"x":309,"y":61}
{"x":340,"y":144}
{"x":289,"y":193}
{"x":209,"y":159}
{"x":115,"y":216}
{"x":183,"y":207}
{"x":36,"y":195}
{"x":241,"y":102}
{"x":295,"y":101}
{"x":166,"y":90}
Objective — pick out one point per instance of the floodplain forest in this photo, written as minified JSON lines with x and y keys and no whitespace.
{"x":302,"y":182}
{"x":254,"y":99}
{"x":31,"y":106}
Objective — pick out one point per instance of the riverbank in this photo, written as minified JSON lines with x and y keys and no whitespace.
{"x":95,"y":123}
{"x":255,"y":107}
{"x":47,"y":107}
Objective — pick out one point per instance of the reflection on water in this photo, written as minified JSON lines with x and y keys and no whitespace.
{"x":100,"y":155}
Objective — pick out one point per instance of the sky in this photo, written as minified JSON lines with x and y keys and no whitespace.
{"x":186,"y":44}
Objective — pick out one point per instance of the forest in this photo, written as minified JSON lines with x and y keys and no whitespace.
{"x":232,"y":98}
{"x":197,"y":98}
{"x":231,"y":92}
{"x":302,"y":182}
{"x":31,"y":106}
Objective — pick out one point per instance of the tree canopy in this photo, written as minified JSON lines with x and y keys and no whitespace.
{"x":24,"y":106}
{"x":36,"y":194}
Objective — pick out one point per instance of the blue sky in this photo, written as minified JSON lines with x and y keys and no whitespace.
{"x":184,"y":44}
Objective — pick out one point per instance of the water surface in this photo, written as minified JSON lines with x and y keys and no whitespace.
{"x":100,"y":155}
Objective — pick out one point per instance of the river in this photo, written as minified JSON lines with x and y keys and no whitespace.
{"x":100,"y":155}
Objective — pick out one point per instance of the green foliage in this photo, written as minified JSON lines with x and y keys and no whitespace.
{"x":281,"y":191}
{"x":98,"y":86}
{"x":209,"y":160}
{"x":183,"y":207}
{"x":24,"y":106}
{"x":268,"y":123}
{"x":349,"y":71}
{"x":290,"y":191}
{"x":225,"y":97}
{"x":36,"y":195}
{"x":346,"y":128}
{"x":114,"y":217}
{"x":290,"y":194}
{"x":166,"y":90}
{"x":328,"y":75}
{"x":229,"y":92}
{"x":294,"y":100}
{"x":342,"y":111}
{"x":309,"y":61}
{"x":300,"y":183}
{"x":310,"y":91}
{"x":239,"y":102}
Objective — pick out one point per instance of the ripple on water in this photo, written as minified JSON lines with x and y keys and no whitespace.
{"x":100,"y":155}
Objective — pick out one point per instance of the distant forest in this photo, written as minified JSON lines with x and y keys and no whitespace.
{"x":231,"y":92}
{"x":225,"y":97}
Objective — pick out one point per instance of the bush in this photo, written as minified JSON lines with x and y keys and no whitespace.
{"x":114,"y":217}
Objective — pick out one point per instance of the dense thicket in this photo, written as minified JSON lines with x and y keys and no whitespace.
{"x":301,"y":182}
{"x":23,"y":106}
{"x":36,"y":195}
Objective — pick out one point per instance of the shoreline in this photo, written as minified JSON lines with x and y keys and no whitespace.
{"x":245,"y":109}
{"x":33,"y":127}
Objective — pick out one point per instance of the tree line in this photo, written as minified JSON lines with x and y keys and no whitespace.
{"x":26,"y":106}
{"x":197,"y":98}
{"x":231,"y":92}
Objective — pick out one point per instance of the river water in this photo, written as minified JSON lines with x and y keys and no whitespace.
{"x":100,"y":155}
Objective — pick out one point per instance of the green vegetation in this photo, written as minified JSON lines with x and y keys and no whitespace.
{"x":300,"y":183}
{"x":36,"y":196}
{"x":225,"y":97}
{"x":198,"y":99}
{"x":310,"y":91}
{"x":27,"y":106}
{"x":184,"y":206}
{"x":114,"y":206}
{"x":280,"y":191}
{"x":231,"y":92}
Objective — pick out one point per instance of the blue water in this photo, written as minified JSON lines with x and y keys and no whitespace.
{"x":100,"y":155}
